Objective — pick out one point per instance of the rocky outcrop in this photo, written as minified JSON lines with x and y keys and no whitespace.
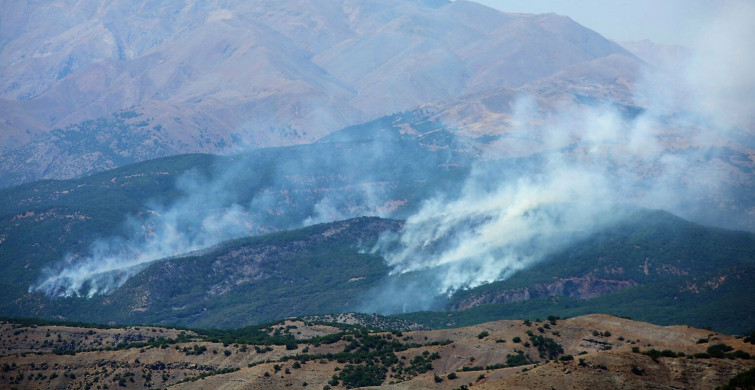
{"x":584,"y":287}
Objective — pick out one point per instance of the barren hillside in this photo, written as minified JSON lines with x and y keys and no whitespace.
{"x":594,"y":351}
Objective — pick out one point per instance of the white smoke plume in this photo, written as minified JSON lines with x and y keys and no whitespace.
{"x":508,"y":217}
{"x":209,"y":211}
{"x":199,"y":219}
{"x":591,"y":164}
{"x":720,"y":76}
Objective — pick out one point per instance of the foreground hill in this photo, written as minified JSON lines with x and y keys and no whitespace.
{"x":595,"y":351}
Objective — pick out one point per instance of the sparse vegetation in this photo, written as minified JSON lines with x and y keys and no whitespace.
{"x":517,"y":359}
{"x":356,"y":356}
{"x":208,"y":374}
{"x":743,"y":380}
{"x":546,"y":346}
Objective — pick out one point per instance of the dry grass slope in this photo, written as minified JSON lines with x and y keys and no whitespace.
{"x":600,"y":347}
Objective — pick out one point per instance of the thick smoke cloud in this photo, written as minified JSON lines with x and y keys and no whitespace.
{"x":216,"y":208}
{"x":200,"y":218}
{"x":720,"y":76}
{"x":511,"y":215}
{"x":581,"y":168}
{"x":572,"y":171}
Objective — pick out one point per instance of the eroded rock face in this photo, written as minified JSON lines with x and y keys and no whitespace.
{"x":584,"y":287}
{"x":323,"y":265}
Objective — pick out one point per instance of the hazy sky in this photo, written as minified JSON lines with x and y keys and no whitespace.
{"x":662,"y":21}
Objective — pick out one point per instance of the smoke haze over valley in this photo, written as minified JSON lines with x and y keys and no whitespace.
{"x":498,"y":140}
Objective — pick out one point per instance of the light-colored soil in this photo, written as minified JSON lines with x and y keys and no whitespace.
{"x":601,"y":347}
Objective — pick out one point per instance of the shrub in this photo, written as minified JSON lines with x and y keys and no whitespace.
{"x":516,"y":360}
{"x":739,"y":354}
{"x":718,"y":350}
{"x":547,"y":347}
{"x":362,"y":376}
{"x":743,"y":380}
{"x":653,"y":354}
{"x":637,"y":371}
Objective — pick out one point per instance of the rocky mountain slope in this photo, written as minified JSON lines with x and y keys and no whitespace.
{"x":262,"y":191}
{"x":582,"y":352}
{"x":653,"y":270}
{"x":321,"y":269}
{"x":652,"y":266}
{"x":224,"y":74}
{"x":110,"y":226}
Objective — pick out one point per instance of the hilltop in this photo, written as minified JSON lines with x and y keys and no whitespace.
{"x":581,"y":352}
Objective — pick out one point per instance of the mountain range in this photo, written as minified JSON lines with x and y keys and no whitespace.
{"x":650,"y":265}
{"x":148,"y":80}
{"x":228,"y":164}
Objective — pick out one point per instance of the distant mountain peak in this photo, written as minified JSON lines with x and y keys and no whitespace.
{"x":265,"y":73}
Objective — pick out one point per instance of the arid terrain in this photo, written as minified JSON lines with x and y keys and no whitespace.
{"x":593,"y":351}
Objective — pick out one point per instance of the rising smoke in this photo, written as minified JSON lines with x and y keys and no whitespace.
{"x":250,"y":196}
{"x":591,"y":161}
{"x":201,"y":217}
